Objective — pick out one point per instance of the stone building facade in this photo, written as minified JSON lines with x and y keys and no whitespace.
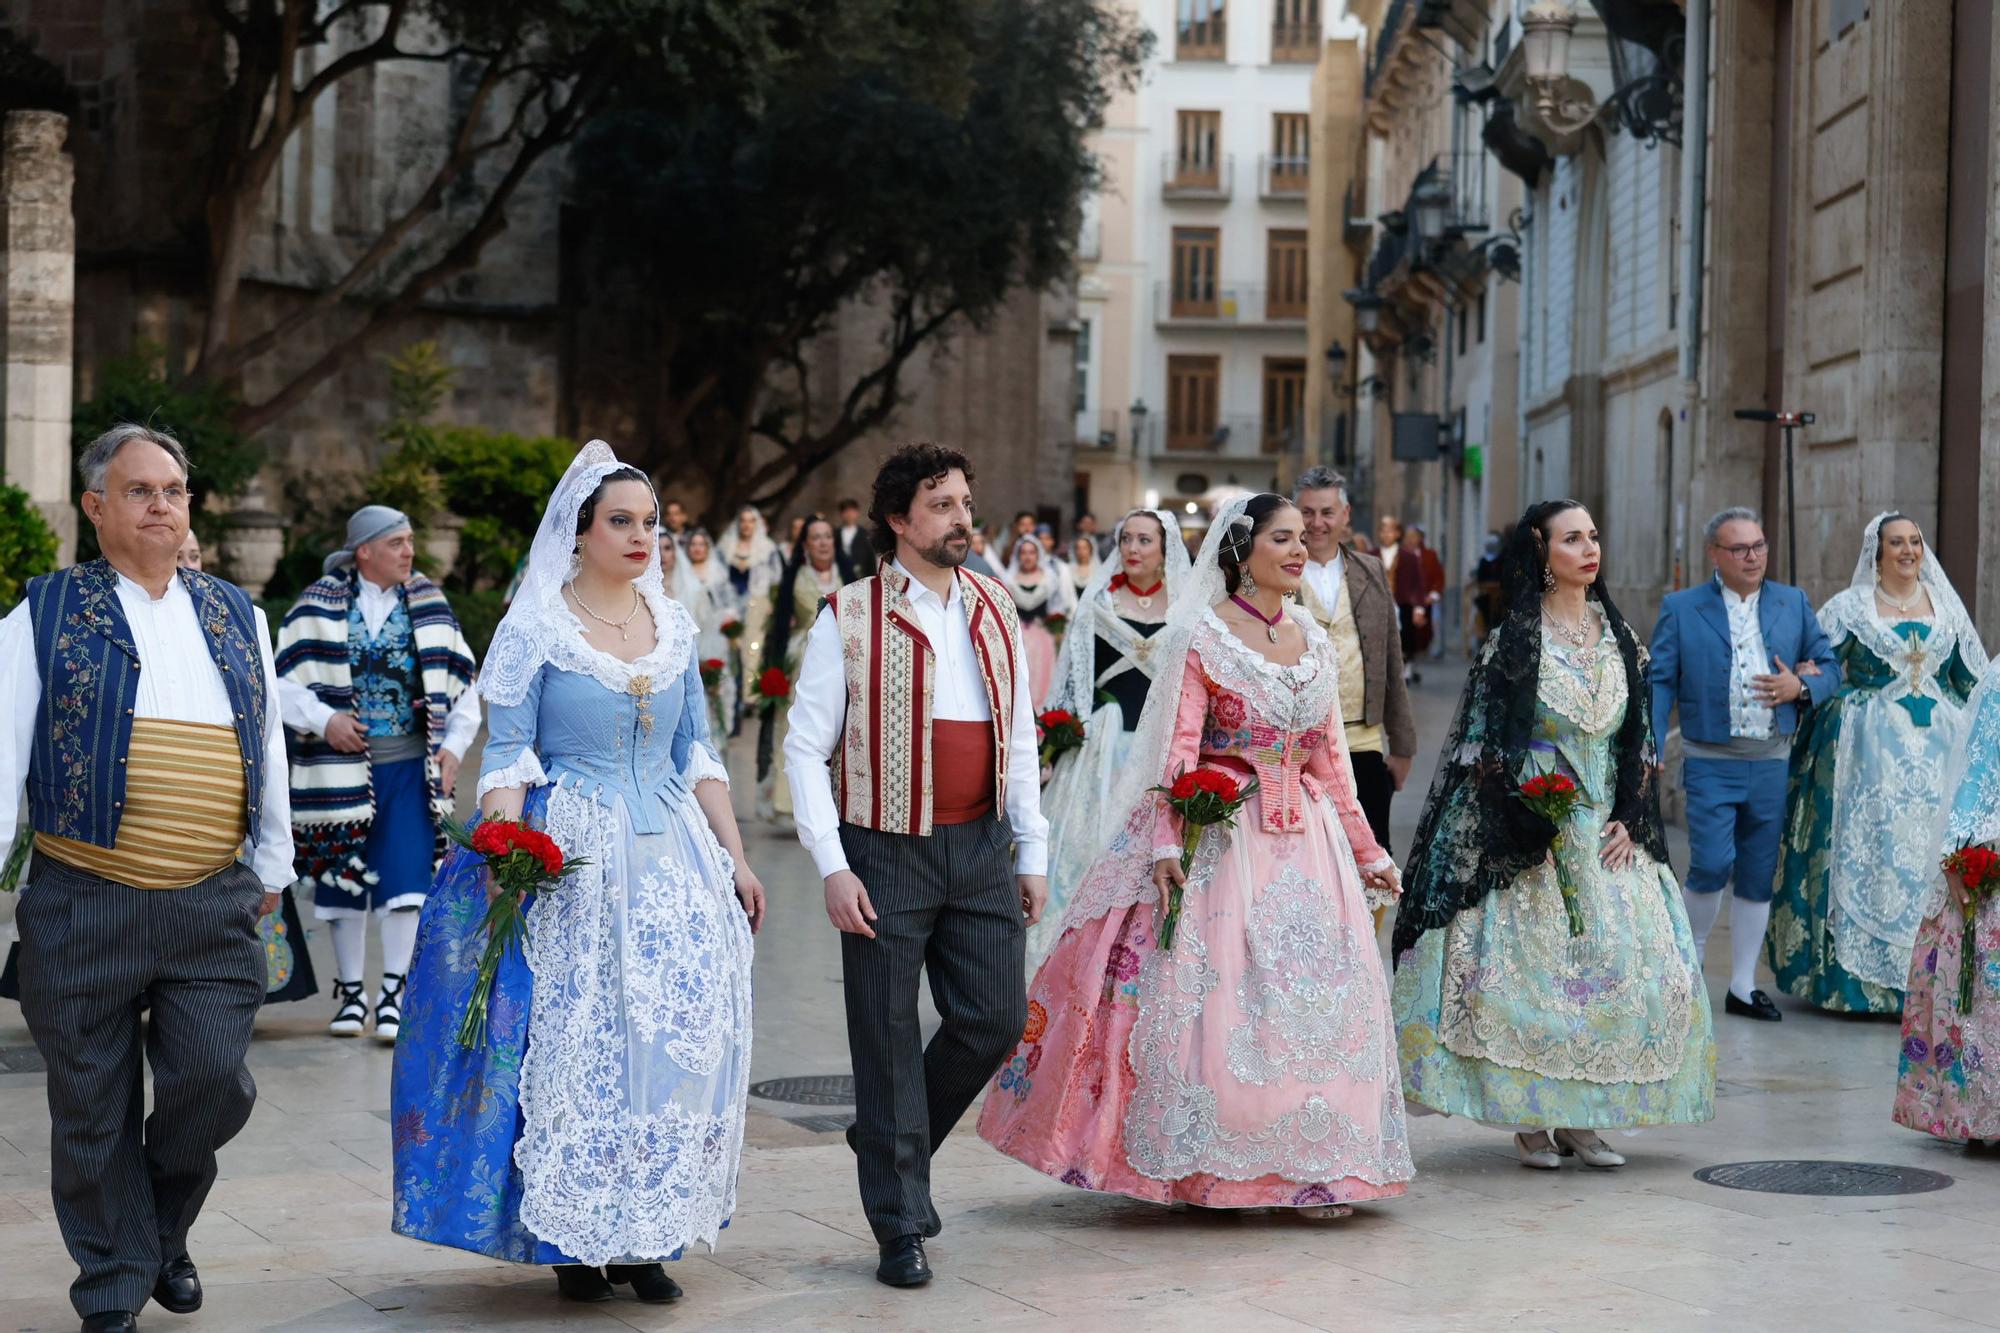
{"x":1824,"y":238}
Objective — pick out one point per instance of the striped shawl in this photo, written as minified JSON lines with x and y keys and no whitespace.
{"x":333,"y":799}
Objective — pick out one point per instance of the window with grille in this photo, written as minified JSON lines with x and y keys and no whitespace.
{"x":1196,"y":250}
{"x":1295,"y":31}
{"x":1193,"y":385}
{"x":1284,"y":401}
{"x":1201,"y":33}
{"x":1197,"y":140}
{"x":1285,"y":275}
{"x":1291,"y":151}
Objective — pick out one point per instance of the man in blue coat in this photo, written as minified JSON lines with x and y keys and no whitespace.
{"x":1740,"y":656}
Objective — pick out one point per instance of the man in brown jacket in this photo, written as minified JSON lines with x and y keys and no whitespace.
{"x":1348,"y":594}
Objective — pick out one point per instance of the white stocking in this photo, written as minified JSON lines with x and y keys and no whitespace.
{"x":1747,"y":921}
{"x":1702,"y":910}
{"x":399,"y":941}
{"x":350,"y":947}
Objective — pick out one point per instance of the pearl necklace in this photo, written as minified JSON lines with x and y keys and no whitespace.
{"x":1902,"y":606}
{"x":618,"y":625}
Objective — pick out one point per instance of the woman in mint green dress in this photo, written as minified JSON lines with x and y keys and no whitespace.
{"x":1503,"y":1015}
{"x":1867,"y":768}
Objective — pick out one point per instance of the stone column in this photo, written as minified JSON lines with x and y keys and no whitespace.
{"x":37,"y":313}
{"x":1988,"y":587}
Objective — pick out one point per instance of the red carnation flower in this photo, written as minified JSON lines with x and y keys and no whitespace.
{"x":1184,"y":787}
{"x":774,"y":683}
{"x":711,"y":664}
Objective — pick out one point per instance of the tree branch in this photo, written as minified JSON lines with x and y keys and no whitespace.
{"x":462,"y":256}
{"x":460,"y":157}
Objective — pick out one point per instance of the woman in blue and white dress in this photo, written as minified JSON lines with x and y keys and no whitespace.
{"x":600,"y":1127}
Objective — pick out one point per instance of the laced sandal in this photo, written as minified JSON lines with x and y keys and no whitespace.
{"x":1537,"y":1152}
{"x":1587,"y":1145}
{"x":351,"y":1018}
{"x":389,"y":1009}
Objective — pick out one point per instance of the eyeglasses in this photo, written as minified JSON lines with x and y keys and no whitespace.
{"x":143,"y":496}
{"x":1746,"y":550}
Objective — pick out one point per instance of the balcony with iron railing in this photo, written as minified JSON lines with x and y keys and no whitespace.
{"x":1101,"y":433}
{"x":1232,"y":435}
{"x":1197,"y":178}
{"x":1242,"y":305}
{"x":1281,"y":178}
{"x":1393,"y":20}
{"x":1295,"y":43}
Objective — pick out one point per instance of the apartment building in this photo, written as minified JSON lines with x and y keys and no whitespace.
{"x":1193,"y":287}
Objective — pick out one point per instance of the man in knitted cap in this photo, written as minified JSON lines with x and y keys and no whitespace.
{"x":374,"y":680}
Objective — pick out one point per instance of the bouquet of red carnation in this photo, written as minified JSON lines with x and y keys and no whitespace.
{"x":1061,"y":731}
{"x":711,"y":673}
{"x":732,"y":630}
{"x":772,"y":690}
{"x":1202,"y":798}
{"x":522,"y":861}
{"x":1056,"y":622}
{"x":1978,"y":869}
{"x":1554,"y":796}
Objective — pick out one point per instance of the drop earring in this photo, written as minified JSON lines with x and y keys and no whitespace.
{"x":1548,"y":579}
{"x":575,"y":563}
{"x":1249,"y":584}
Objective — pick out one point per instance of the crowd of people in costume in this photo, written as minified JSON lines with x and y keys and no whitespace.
{"x":1155,"y":952}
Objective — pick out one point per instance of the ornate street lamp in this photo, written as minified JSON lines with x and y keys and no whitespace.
{"x":1645,"y":105}
{"x":1139,"y":413}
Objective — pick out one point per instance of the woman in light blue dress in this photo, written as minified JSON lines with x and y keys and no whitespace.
{"x":600,"y":1127}
{"x":1502,"y":1014}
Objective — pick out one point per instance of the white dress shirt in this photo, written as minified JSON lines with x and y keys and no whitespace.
{"x":958,"y":694}
{"x":304,"y":712}
{"x":1327,"y":581}
{"x":179,"y":683}
{"x":1749,"y":717}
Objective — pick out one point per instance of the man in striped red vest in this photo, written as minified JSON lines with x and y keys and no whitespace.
{"x":916,"y":787}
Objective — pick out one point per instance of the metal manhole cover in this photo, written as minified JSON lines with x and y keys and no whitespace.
{"x":808,"y":1090}
{"x":821,"y":1124}
{"x":1848,"y":1179}
{"x":21,"y":1060}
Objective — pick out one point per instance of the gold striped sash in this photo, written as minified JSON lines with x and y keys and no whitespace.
{"x":183,"y":818}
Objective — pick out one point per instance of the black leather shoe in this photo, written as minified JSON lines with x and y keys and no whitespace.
{"x":178,"y":1288}
{"x":1759,"y":1007}
{"x":649,"y":1282}
{"x":111,"y":1321}
{"x":903,"y":1263}
{"x":853,"y":1143}
{"x":581,"y":1282}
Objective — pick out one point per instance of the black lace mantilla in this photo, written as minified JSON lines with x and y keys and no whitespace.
{"x":1476,"y":836}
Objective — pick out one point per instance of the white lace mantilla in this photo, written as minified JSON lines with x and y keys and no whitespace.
{"x":634,"y":1084}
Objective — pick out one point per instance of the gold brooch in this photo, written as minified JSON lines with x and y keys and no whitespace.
{"x":641,"y":688}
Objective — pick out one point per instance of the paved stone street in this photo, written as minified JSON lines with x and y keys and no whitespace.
{"x":296,"y":1235}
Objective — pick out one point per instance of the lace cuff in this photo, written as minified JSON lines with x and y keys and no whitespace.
{"x":703,"y":765}
{"x":1167,"y":851}
{"x":525,"y":771}
{"x":1376,"y":897}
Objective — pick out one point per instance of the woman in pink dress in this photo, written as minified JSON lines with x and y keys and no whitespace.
{"x":1252,"y":1065}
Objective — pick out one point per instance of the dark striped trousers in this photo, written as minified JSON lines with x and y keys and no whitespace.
{"x":91,"y":951}
{"x":946,"y":905}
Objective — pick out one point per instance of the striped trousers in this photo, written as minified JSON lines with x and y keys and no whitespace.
{"x":946,"y":905}
{"x":92,"y":949}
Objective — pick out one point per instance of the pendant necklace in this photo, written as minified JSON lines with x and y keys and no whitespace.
{"x":1574,"y":637}
{"x":1144,"y":596}
{"x":1270,"y":622}
{"x":618,"y":625}
{"x":1903,"y":607}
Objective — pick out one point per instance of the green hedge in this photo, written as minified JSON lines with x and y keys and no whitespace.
{"x":27,"y":544}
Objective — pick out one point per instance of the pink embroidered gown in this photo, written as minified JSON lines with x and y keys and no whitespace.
{"x":1254,"y":1065}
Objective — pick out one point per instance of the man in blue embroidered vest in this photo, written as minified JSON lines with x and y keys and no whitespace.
{"x":145,"y":726}
{"x":373,"y":678}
